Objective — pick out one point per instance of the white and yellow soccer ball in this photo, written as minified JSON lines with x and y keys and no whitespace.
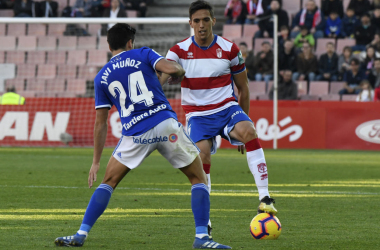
{"x":265,"y":227}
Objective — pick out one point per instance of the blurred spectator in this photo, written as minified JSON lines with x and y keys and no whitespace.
{"x":24,"y":8}
{"x":364,"y":33}
{"x":287,"y":57}
{"x":345,"y":60}
{"x":376,"y":42}
{"x":266,"y":24}
{"x":353,"y":78}
{"x":236,"y":12}
{"x":264,"y":63}
{"x":283,"y":35}
{"x":369,"y":57}
{"x":311,"y":17}
{"x":328,"y":64}
{"x":6,"y":4}
{"x":249,"y":60}
{"x":251,"y":11}
{"x":11,"y":97}
{"x":377,"y":95}
{"x":374,"y":76}
{"x":366,"y":92}
{"x":304,"y":37}
{"x":333,"y":26}
{"x":86,"y":8}
{"x":349,"y":23}
{"x":287,"y":89}
{"x":48,"y":8}
{"x":360,"y":7}
{"x":375,"y":4}
{"x":139,"y":5}
{"x":307,"y":64}
{"x":376,"y":19}
{"x":263,"y":5}
{"x":114,"y":12}
{"x":329,"y":6}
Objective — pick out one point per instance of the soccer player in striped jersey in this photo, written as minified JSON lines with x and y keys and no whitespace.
{"x":213,"y":65}
{"x":129,"y":82}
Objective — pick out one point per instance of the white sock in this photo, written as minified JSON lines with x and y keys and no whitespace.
{"x":209,"y":182}
{"x":258,"y":167}
{"x":81,"y":232}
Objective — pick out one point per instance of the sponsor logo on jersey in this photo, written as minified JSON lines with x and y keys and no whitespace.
{"x":190,"y":55}
{"x":150,"y":141}
{"x":219,"y":52}
{"x":369,"y":131}
{"x":173,"y":137}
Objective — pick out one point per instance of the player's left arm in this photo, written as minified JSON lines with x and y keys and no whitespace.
{"x":100,"y":135}
{"x":241,"y":81}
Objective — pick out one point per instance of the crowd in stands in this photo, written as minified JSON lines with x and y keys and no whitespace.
{"x":81,"y":8}
{"x":298,"y":36}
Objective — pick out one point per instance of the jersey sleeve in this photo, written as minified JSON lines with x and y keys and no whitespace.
{"x":101,"y":98}
{"x":237,"y":60}
{"x":173,"y":54}
{"x":152,"y":56}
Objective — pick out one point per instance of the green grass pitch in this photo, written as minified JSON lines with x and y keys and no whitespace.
{"x":326,"y":200}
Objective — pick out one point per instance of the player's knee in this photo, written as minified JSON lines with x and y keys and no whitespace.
{"x":249,"y":134}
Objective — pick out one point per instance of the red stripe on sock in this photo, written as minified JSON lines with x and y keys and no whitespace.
{"x":253,"y":145}
{"x":206,"y":168}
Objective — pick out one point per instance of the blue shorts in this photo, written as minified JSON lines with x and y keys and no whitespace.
{"x":221,"y":123}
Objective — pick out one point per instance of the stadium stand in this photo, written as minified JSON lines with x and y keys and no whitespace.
{"x":33,"y":49}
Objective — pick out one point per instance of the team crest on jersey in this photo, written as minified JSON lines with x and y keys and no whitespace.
{"x":190,"y":55}
{"x":219,"y":53}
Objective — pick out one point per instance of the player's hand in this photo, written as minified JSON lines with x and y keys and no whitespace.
{"x":92,"y":175}
{"x":241,"y":149}
{"x":174,"y":80}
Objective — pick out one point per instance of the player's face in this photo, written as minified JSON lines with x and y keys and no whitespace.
{"x":202,"y":22}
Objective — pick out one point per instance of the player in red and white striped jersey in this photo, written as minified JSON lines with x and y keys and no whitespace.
{"x":213,"y":65}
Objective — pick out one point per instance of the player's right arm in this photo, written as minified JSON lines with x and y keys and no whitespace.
{"x":100,"y":135}
{"x":171,"y":71}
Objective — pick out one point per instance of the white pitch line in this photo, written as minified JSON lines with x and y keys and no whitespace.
{"x":215,"y":190}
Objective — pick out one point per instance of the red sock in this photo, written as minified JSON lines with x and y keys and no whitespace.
{"x":206,"y":168}
{"x":252,"y":145}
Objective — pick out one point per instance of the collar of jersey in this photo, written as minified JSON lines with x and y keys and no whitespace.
{"x":205,"y":47}
{"x":118,"y":54}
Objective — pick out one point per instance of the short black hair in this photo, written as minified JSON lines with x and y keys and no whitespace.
{"x":11,"y":89}
{"x":377,"y":58}
{"x":244,"y":44}
{"x":119,"y":35}
{"x":200,"y":5}
{"x":366,"y":14}
{"x":355,"y":60}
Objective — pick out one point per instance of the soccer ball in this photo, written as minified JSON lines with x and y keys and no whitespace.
{"x":265,"y":227}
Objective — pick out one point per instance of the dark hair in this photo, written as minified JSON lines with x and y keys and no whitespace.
{"x":355,"y":60}
{"x":284,"y":27}
{"x":11,"y":89}
{"x":330,"y":43}
{"x":119,"y":35}
{"x":266,"y":42}
{"x":304,"y":27}
{"x":350,"y":8}
{"x":244,"y":44}
{"x":366,"y":14}
{"x":377,"y":59}
{"x":200,"y":5}
{"x":347,"y":48}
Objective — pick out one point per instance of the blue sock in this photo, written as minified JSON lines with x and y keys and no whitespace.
{"x":96,"y":207}
{"x":200,"y":204}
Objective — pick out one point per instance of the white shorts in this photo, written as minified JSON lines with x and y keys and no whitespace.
{"x":168,"y":137}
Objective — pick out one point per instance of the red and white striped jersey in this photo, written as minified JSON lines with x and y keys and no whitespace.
{"x":207,"y":87}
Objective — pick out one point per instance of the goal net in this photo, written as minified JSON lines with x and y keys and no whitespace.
{"x":52,"y":63}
